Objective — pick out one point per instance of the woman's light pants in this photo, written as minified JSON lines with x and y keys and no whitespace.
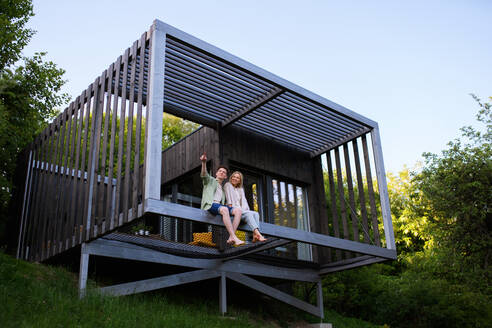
{"x":252,"y":218}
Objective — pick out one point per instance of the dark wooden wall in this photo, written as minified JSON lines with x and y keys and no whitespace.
{"x":252,"y":150}
{"x":184,"y":155}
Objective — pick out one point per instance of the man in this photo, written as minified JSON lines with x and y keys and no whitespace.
{"x":213,"y":199}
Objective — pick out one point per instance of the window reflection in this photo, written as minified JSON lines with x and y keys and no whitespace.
{"x":290,"y":210}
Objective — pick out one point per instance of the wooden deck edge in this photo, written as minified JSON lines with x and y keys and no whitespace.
{"x":194,"y":214}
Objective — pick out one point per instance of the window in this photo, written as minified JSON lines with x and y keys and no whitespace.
{"x":278,"y":202}
{"x":185,"y":191}
{"x":289,"y":207}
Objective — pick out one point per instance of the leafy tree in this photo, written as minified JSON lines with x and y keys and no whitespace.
{"x":456,"y":190}
{"x":413,"y":230}
{"x":29,"y":94}
{"x":14,"y":36}
{"x":175,"y":129}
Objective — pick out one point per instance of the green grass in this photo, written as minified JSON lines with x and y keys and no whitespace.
{"x":37,"y":295}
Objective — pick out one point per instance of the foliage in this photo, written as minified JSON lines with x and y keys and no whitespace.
{"x":175,"y":129}
{"x":14,"y":36}
{"x":442,"y":223}
{"x":412,"y":228}
{"x":456,"y":191}
{"x":414,"y":298}
{"x":28,"y":96}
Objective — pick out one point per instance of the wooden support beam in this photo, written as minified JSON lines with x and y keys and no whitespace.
{"x":194,"y":214}
{"x":267,"y":245}
{"x":342,"y":265}
{"x":83,"y":269}
{"x":159,"y":283}
{"x":257,"y":103}
{"x":116,"y":249}
{"x":223,"y":293}
{"x":275,"y":293}
{"x":319,"y":299}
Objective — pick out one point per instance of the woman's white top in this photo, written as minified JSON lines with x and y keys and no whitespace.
{"x":236,"y":197}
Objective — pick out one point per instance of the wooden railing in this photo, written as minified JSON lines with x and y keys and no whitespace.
{"x":85,"y":172}
{"x":356,"y":209}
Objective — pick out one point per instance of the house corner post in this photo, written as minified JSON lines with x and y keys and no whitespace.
{"x":155,"y":106}
{"x":383,"y":188}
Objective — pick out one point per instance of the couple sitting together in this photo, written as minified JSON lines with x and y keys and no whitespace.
{"x":228,"y":201}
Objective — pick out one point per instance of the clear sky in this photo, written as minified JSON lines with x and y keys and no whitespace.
{"x":409,"y":65}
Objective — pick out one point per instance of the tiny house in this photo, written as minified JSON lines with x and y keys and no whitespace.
{"x":98,"y":179}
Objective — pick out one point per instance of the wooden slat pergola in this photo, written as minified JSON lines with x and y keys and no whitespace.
{"x":98,"y":165}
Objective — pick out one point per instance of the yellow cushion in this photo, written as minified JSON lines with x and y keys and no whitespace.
{"x":241,"y":235}
{"x":203,"y":239}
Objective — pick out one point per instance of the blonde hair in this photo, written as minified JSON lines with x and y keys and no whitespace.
{"x":240,"y":175}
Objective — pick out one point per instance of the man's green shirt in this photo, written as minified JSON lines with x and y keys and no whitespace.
{"x":210,"y":185}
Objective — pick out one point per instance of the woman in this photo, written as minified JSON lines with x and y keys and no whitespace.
{"x":236,"y":198}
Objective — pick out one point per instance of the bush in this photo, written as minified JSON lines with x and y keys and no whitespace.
{"x":411,"y":299}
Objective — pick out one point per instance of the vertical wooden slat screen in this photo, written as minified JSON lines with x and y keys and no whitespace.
{"x":110,"y":221}
{"x":31,"y":214}
{"x":372,"y":198}
{"x":121,"y":138}
{"x":360,"y":192}
{"x":350,"y":187}
{"x":53,"y":185}
{"x":40,"y":195}
{"x":128,"y":152}
{"x":78,"y":196}
{"x":70,"y":228}
{"x":90,"y":117}
{"x":72,"y":173}
{"x":42,"y":242}
{"x":82,"y":213}
{"x":137,"y":186}
{"x":362,"y":198}
{"x":341,"y":195}
{"x":103,"y":191}
{"x":28,"y":152}
{"x":334,"y":211}
{"x":71,"y":194}
{"x":96,"y":149}
{"x":63,"y":144}
{"x":88,"y":222}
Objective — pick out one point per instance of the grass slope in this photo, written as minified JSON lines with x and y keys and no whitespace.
{"x":37,"y":295}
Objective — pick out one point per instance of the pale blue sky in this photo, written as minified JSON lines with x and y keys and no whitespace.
{"x":407,"y":65}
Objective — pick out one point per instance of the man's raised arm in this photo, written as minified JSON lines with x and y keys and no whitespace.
{"x":203,"y":159}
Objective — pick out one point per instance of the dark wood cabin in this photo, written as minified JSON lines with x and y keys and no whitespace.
{"x":312,"y":169}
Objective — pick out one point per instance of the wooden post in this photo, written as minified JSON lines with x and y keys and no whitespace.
{"x":155,"y":107}
{"x":84,"y":268}
{"x":222,"y":294}
{"x":25,"y":206}
{"x":383,"y":189}
{"x":319,"y":300}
